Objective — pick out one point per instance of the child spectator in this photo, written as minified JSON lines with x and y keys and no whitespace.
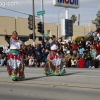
{"x":81,"y":50}
{"x":73,"y":63}
{"x":31,"y":60}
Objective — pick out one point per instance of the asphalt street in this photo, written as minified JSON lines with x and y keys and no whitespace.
{"x":77,"y":84}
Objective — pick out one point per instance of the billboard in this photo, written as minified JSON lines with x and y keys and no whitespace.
{"x":66,"y":27}
{"x":66,"y":3}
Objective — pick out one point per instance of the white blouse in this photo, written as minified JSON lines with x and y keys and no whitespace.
{"x":15,"y":44}
{"x":54,"y":47}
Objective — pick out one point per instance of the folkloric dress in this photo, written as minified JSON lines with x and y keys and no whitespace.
{"x":14,"y":67}
{"x":53,"y":65}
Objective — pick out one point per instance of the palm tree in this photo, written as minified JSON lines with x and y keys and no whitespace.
{"x":73,"y":18}
{"x":97,"y":20}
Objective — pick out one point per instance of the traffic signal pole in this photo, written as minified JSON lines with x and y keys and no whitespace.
{"x":42,"y":19}
{"x":33,"y":8}
{"x":18,"y":11}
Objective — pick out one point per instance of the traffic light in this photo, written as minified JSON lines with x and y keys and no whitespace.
{"x":31,"y":36}
{"x":40,"y":38}
{"x":40,"y":27}
{"x":30,"y":22}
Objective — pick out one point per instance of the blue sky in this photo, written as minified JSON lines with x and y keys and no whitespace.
{"x":87,"y":10}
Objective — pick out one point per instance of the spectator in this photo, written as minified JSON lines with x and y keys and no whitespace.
{"x":93,"y":54}
{"x":3,"y":59}
{"x":81,"y":50}
{"x":98,"y":48}
{"x":83,"y":42}
{"x":47,"y":44}
{"x":75,"y":46}
{"x":73,"y":63}
{"x":32,"y":60}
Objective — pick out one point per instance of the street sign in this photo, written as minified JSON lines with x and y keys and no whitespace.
{"x":46,"y":35}
{"x":41,"y":12}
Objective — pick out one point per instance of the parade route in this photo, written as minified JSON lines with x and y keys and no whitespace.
{"x":81,"y":84}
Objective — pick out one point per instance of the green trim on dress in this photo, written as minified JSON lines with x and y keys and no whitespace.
{"x":14,"y":51}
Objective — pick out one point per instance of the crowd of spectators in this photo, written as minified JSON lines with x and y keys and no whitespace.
{"x":3,"y":57}
{"x":82,"y":54}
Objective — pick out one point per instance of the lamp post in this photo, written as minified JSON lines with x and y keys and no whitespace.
{"x":58,"y":23}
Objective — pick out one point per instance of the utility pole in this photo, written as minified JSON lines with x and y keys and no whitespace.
{"x":33,"y":8}
{"x":42,"y":19}
{"x":58,"y":33}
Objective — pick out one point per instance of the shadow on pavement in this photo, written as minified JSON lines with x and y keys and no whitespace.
{"x":68,"y":74}
{"x":33,"y":78}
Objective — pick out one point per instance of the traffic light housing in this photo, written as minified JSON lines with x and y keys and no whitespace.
{"x":40,"y":38}
{"x":41,"y":27}
{"x":30,"y":22}
{"x":31,"y":36}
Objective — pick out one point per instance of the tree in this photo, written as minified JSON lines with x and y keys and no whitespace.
{"x":97,"y":20}
{"x":73,"y":18}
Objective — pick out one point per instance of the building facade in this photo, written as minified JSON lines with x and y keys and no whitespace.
{"x":21,"y":26}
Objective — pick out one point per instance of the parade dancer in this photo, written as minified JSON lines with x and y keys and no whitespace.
{"x":14,"y":62}
{"x":53,"y":65}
